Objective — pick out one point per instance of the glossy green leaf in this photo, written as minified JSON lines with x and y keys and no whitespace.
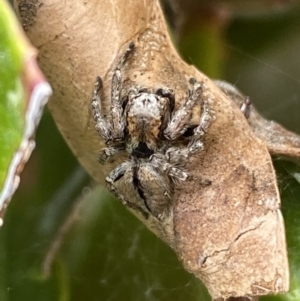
{"x":12,"y":96}
{"x":23,"y":94}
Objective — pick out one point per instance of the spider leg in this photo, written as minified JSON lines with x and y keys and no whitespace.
{"x":103,"y":126}
{"x":169,"y":93}
{"x":246,"y":107}
{"x":179,"y":120}
{"x":133,"y":91}
{"x":177,"y":157}
{"x":117,"y":116}
{"x":108,"y":153}
{"x":112,"y":132}
{"x":196,"y":144}
{"x":164,"y":163}
{"x":205,"y":120}
{"x":114,"y":176}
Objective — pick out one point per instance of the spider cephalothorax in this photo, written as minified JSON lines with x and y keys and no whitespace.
{"x":147,"y":114}
{"x":145,"y":124}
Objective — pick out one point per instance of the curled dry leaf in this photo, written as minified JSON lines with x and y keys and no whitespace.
{"x":230,"y":234}
{"x":235,"y":242}
{"x":279,"y":140}
{"x":24,"y":93}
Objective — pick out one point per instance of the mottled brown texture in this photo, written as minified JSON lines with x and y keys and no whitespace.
{"x":230,"y":233}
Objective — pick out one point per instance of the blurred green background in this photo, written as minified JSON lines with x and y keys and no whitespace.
{"x":108,"y":254}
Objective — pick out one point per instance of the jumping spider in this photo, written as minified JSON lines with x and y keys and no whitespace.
{"x":144,"y":124}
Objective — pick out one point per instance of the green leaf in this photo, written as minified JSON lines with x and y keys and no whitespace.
{"x":23,"y":94}
{"x":12,"y":96}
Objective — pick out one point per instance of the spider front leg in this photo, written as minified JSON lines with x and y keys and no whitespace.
{"x":112,"y":130}
{"x":117,"y":116}
{"x":179,"y":120}
{"x":103,"y":126}
{"x":205,"y":120}
{"x":196,"y":144}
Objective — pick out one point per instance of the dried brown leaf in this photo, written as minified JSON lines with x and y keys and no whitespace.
{"x":230,"y":234}
{"x":279,"y":140}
